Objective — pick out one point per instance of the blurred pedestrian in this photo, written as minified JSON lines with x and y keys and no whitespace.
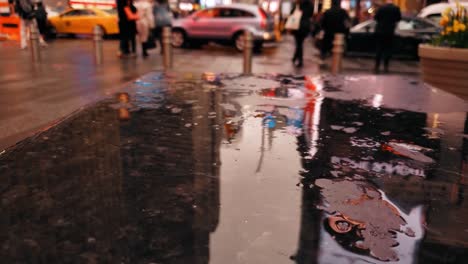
{"x":144,"y":24}
{"x":25,"y":10}
{"x":387,"y":17}
{"x":41,"y":19}
{"x":334,"y":20}
{"x":127,"y":14}
{"x":162,"y":17}
{"x":302,"y":32}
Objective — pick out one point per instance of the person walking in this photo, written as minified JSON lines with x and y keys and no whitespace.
{"x":334,"y":20}
{"x":302,"y":32}
{"x":41,"y":19}
{"x":162,"y":17}
{"x":387,"y":18}
{"x":127,"y":14}
{"x":144,"y":24}
{"x":25,"y":10}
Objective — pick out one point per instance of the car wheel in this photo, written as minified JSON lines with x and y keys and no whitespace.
{"x":239,"y":41}
{"x":257,"y":48}
{"x":51,"y":32}
{"x":179,"y":38}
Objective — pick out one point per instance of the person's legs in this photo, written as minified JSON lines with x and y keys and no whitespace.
{"x":379,"y":51}
{"x":297,"y":44}
{"x":387,"y":51}
{"x":133,"y":43}
{"x":23,"y":33}
{"x":144,"y":49}
{"x":36,"y":24}
{"x":158,"y":36}
{"x":300,"y":49}
{"x":123,"y":36}
{"x":326,"y":45}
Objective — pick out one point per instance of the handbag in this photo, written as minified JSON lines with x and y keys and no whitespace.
{"x":151,"y":42}
{"x":294,"y":20}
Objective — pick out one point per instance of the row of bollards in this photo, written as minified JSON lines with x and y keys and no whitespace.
{"x":337,"y":50}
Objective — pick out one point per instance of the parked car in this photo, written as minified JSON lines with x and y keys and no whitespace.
{"x":434,"y":12}
{"x":83,"y":21}
{"x":224,"y":24}
{"x":409,"y":33}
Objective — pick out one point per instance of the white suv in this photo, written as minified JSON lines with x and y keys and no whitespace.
{"x":224,"y":24}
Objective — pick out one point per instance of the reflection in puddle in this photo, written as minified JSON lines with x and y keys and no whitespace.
{"x":218,"y":169}
{"x":360,"y":219}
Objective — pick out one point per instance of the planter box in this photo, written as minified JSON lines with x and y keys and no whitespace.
{"x":445,"y":68}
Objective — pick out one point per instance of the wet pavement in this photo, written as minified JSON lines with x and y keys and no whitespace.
{"x":67,"y":78}
{"x":189,"y":168}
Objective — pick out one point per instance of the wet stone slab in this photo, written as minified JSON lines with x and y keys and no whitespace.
{"x":179,"y":168}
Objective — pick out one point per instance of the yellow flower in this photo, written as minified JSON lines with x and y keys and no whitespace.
{"x":462,"y":27}
{"x":448,"y":29}
{"x":447,"y":11}
{"x":444,"y":21}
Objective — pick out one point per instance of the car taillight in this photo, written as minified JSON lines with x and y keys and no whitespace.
{"x":263,"y":17}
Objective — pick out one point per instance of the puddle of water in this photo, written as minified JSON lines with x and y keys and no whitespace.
{"x":220,"y":169}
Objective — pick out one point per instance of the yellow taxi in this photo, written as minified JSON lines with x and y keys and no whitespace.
{"x":83,"y":21}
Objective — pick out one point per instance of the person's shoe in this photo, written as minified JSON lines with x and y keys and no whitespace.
{"x":299,"y":64}
{"x":123,"y":55}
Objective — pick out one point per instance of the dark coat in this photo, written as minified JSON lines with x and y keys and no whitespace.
{"x":127,"y":27}
{"x":387,"y":17}
{"x":335,"y":20}
{"x":307,"y":10}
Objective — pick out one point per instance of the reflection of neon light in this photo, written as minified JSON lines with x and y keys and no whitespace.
{"x":377,"y":101}
{"x":315,"y":127}
{"x":315,"y":84}
{"x":379,"y":167}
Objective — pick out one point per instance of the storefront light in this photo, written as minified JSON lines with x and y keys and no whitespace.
{"x":345,"y":5}
{"x":274,"y":7}
{"x":186,"y":6}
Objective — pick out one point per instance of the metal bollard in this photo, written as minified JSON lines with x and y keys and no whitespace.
{"x":98,"y":57}
{"x":167,"y":47}
{"x":34,"y":42}
{"x":248,"y":46}
{"x":337,"y":51}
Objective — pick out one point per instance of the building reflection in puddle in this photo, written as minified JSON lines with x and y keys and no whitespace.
{"x":102,"y":187}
